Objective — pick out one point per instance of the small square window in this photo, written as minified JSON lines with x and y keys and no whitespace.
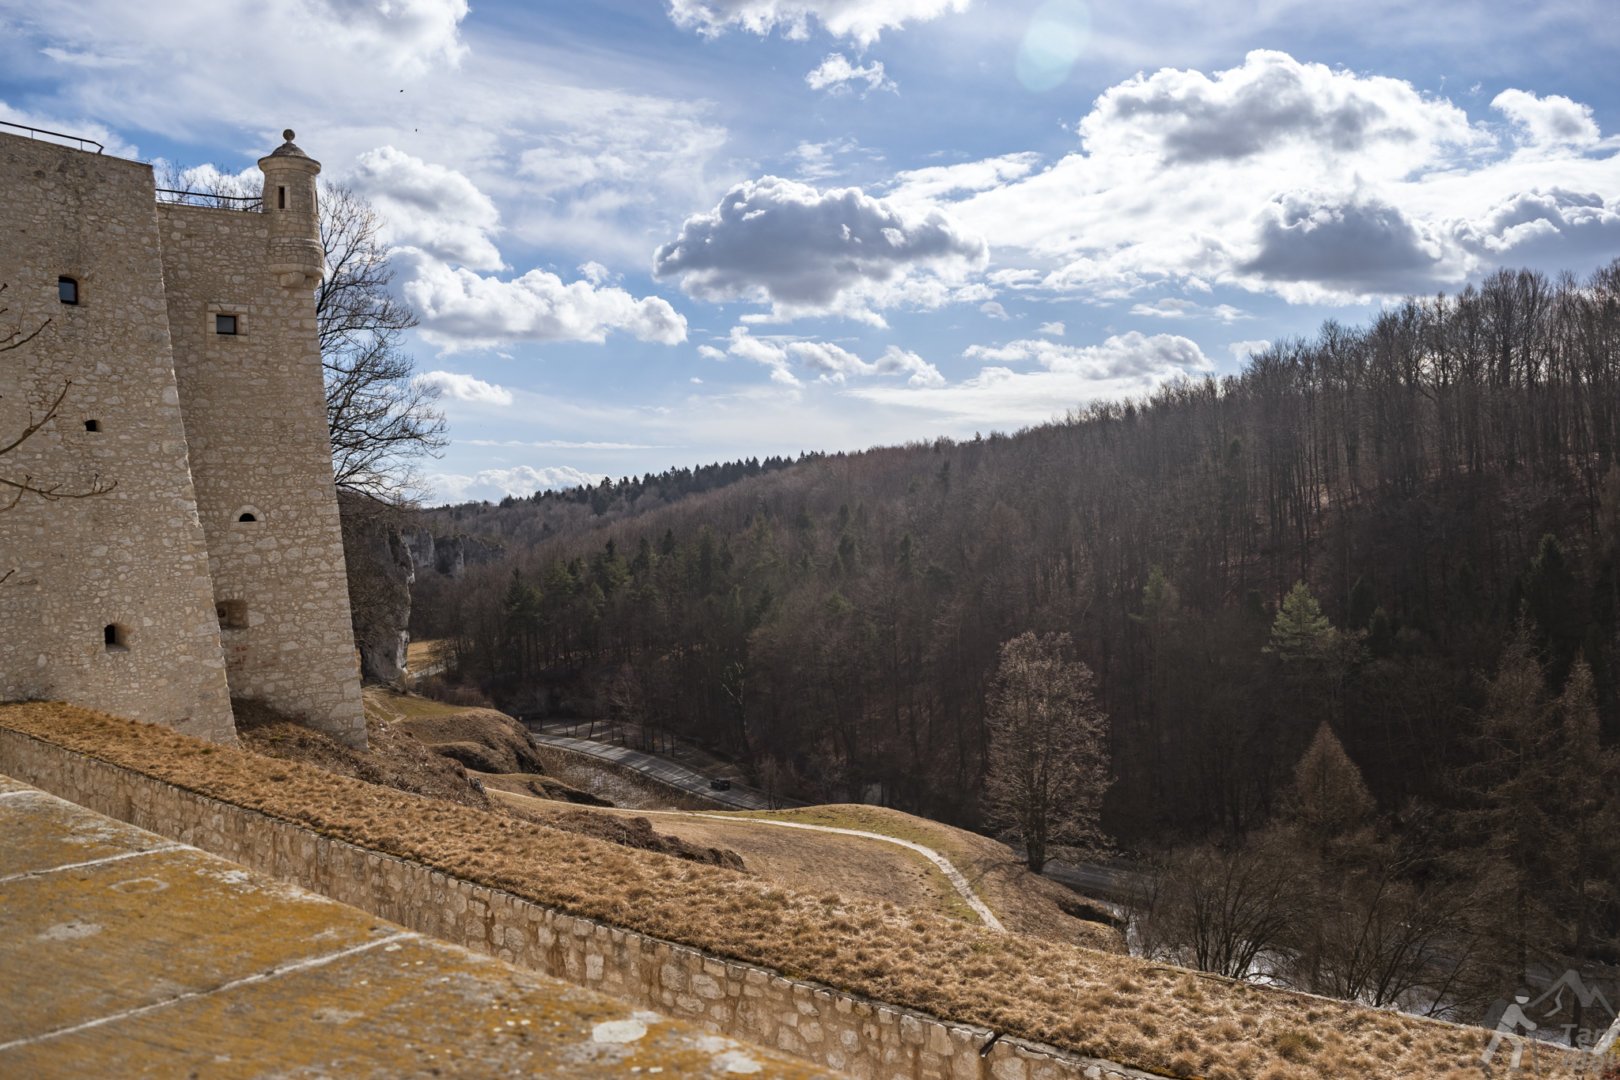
{"x":67,"y":290}
{"x":92,"y":425}
{"x":233,"y":614}
{"x":225,"y":324}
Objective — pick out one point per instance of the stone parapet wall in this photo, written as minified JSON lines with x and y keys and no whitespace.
{"x":842,"y":1031}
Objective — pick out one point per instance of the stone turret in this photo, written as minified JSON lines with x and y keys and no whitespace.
{"x":296,"y":258}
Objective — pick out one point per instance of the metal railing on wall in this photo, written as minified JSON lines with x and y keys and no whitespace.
{"x":35,"y":133}
{"x":183,"y":197}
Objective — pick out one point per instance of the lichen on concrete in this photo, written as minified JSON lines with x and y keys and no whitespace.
{"x":161,"y":960}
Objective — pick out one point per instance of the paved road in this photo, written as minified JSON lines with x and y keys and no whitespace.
{"x":740,"y":797}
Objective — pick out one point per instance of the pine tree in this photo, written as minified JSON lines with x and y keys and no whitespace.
{"x":1300,"y":630}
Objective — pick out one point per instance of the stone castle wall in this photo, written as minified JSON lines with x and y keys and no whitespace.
{"x":854,"y":1035}
{"x":256,"y":421}
{"x":134,"y":558}
{"x":196,"y":429}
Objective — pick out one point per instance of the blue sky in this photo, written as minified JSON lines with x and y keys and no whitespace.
{"x":644,"y":233}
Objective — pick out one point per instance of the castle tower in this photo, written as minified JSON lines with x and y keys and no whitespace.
{"x":247,"y":362}
{"x":296,"y":258}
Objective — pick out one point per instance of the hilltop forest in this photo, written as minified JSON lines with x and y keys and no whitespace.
{"x":1372,"y":528}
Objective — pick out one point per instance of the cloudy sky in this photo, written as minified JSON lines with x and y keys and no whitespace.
{"x":644,"y":233}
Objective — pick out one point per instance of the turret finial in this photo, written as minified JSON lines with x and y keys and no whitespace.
{"x":288,"y":134}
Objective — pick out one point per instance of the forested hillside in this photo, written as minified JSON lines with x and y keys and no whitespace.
{"x":841,"y":617}
{"x":1443,"y":483}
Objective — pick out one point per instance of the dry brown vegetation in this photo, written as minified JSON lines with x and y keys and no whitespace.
{"x":392,"y":757}
{"x":1148,"y":1015}
{"x":1025,"y":903}
{"x":845,"y":865}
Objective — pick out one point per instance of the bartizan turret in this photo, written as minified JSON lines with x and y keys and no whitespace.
{"x":296,"y":257}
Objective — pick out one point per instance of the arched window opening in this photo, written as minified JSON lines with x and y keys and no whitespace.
{"x":115,"y":638}
{"x":247,"y":517}
{"x":67,"y":290}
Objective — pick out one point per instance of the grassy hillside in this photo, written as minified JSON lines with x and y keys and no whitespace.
{"x":1153,"y":1016}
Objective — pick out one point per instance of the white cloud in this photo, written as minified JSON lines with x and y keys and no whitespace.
{"x":562,"y":444}
{"x":831,"y":363}
{"x":940,"y":181}
{"x":598,"y":170}
{"x":460,"y":309}
{"x":1051,"y":329}
{"x":429,"y":207}
{"x":1069,"y":376}
{"x":862,"y":21}
{"x":1548,"y":122}
{"x":835,"y":364}
{"x":520,"y":480}
{"x":1363,"y":246}
{"x":807,"y":251}
{"x":1275,"y":103}
{"x":709,"y":352}
{"x":1242,"y":350}
{"x":186,"y":72}
{"x":1124,"y":356}
{"x":1544,"y":226}
{"x":767,"y":352}
{"x":994,"y":310}
{"x":1175,"y":307}
{"x":465,"y":388}
{"x":837,"y":75}
{"x":1283,"y":177}
{"x":89,"y":129}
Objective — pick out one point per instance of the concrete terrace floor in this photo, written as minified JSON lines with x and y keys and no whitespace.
{"x":125,"y":954}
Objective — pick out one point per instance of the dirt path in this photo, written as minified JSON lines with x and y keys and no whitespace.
{"x":946,"y":867}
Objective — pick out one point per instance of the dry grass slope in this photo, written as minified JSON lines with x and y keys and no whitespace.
{"x":1155,"y":1017}
{"x":1025,"y":903}
{"x":846,"y":865}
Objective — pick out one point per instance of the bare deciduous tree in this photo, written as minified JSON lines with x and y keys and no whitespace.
{"x":1048,"y":764}
{"x":1222,"y":909}
{"x":381,"y":419}
{"x":14,"y":336}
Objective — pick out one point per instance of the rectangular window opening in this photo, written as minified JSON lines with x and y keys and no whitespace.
{"x":67,"y":290}
{"x":281,"y":198}
{"x":232,"y":614}
{"x":92,"y":425}
{"x":225,"y":324}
